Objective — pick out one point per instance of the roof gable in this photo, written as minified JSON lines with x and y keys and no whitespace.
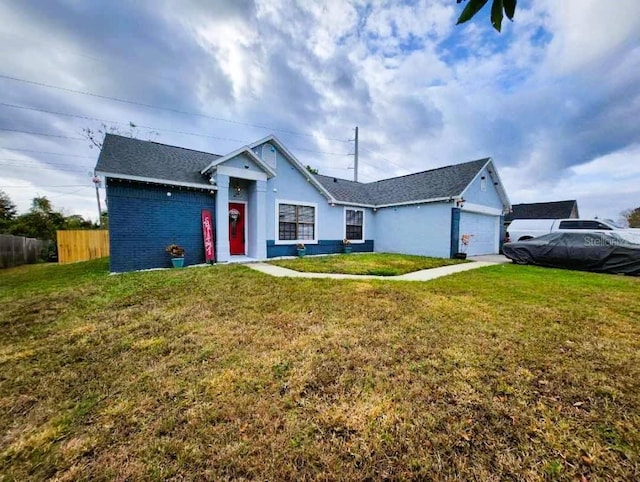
{"x":273,"y":140}
{"x":238,"y":152}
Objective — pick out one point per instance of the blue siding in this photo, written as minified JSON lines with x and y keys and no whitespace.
{"x":474,"y":193}
{"x":323,"y":247}
{"x":143,"y":220}
{"x":243,"y":162}
{"x":292,"y":185}
{"x":423,"y":229}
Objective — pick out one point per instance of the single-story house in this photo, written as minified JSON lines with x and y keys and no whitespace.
{"x":547,"y":210}
{"x":264,"y":202}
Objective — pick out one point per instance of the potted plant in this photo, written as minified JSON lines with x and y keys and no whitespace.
{"x":302,"y":249}
{"x":465,"y":239}
{"x":346,"y":246}
{"x":177,"y":255}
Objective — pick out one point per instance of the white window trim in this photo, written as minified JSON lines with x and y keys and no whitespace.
{"x":344,"y":224}
{"x":277,"y":239}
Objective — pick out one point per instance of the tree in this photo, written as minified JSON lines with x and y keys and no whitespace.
{"x":41,"y":205}
{"x":96,"y":137}
{"x":497,"y":9}
{"x":76,"y":221}
{"x":7,"y":208}
{"x":311,"y":169}
{"x":632,"y":217}
{"x":7,"y":211}
{"x":40,"y":222}
{"x":104,"y":221}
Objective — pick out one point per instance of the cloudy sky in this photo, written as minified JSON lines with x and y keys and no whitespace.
{"x":554,"y":99}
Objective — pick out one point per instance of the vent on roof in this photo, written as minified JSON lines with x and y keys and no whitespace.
{"x":269,"y":155}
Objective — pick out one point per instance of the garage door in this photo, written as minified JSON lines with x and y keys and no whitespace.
{"x":484,"y":230}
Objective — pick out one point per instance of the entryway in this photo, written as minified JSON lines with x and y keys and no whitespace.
{"x":237,"y":228}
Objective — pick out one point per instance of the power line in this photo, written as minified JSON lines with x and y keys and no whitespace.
{"x":168,"y":109}
{"x":31,"y":187}
{"x":42,"y":134}
{"x":44,"y":152}
{"x":34,"y":161}
{"x":71,"y":193}
{"x":96,"y":119}
{"x":384,"y":158}
{"x":79,"y":168}
{"x":101,"y":60}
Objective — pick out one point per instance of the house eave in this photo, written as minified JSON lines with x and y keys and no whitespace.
{"x":346,"y":203}
{"x":404,"y":203}
{"x":418,"y":201}
{"x":151,"y":180}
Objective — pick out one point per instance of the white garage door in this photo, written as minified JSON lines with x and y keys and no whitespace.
{"x":484,"y":230}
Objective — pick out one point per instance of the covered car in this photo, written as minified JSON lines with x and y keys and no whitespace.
{"x":617,"y":252}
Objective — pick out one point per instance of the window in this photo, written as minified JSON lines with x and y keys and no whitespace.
{"x":603,"y":227}
{"x":296,"y":223}
{"x":584,"y":224}
{"x":570,"y":225}
{"x":354,"y":224}
{"x":483,"y":183}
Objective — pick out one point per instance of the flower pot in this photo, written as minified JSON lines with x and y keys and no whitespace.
{"x":177,"y":262}
{"x":460,"y":256}
{"x":347,"y":249}
{"x":302,"y":252}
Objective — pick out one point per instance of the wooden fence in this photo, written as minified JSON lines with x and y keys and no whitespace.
{"x":17,"y":250}
{"x":82,"y":245}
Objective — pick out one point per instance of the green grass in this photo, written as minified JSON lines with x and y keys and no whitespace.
{"x":501,"y":373}
{"x":378,"y":264}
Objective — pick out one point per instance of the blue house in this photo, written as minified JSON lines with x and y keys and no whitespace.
{"x":264,"y":202}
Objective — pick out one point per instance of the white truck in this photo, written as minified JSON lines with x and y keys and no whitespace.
{"x":523,"y":229}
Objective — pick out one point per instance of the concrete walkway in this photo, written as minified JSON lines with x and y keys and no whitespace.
{"x":423,"y":275}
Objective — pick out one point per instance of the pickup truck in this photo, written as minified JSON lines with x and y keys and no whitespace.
{"x":523,"y":229}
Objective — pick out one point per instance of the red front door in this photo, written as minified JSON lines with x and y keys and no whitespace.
{"x":237,"y":219}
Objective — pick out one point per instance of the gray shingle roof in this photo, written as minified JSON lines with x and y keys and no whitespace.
{"x":344,"y":190}
{"x":150,"y":160}
{"x":442,"y":182}
{"x":134,"y":157}
{"x":549,"y":210}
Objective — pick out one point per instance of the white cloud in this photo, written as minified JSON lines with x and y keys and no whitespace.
{"x":587,"y":31}
{"x":554,"y":99}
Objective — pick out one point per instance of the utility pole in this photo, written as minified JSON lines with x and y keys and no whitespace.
{"x":355,"y":158}
{"x":96,"y":182}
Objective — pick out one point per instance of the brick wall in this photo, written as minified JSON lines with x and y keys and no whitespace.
{"x":143,"y":220}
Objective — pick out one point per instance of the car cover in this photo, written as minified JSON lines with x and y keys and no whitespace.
{"x":600,"y":252}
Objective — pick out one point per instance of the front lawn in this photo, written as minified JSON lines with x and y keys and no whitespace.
{"x":500,"y":373}
{"x":378,"y":264}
